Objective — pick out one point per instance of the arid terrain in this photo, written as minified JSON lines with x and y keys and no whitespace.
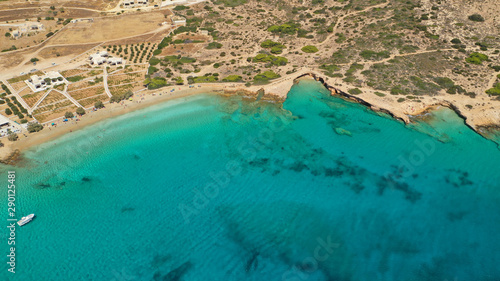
{"x":401,"y":57}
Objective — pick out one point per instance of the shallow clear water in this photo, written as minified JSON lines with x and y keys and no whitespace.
{"x":217,"y":188}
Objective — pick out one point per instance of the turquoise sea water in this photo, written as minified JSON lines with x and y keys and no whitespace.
{"x":218,"y":188}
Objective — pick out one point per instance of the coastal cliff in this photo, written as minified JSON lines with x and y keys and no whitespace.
{"x":483,"y":120}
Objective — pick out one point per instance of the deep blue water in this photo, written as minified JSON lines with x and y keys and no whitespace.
{"x":221,"y":188}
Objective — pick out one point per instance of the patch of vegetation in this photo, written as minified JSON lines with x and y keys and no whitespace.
{"x":372,"y":55}
{"x":99,"y":104}
{"x":230,"y":3}
{"x":265,"y":76}
{"x":80,"y":111}
{"x":495,"y":90}
{"x":120,"y":97}
{"x":476,"y":58}
{"x":329,"y":69}
{"x":34,"y":127}
{"x":154,"y":61}
{"x":476,"y":17}
{"x":355,"y":91}
{"x":289,"y":28}
{"x":181,"y":8}
{"x":207,"y":78}
{"x":276,"y":47}
{"x":74,"y":78}
{"x":155,"y":83}
{"x":214,"y":45}
{"x":232,"y":78}
{"x":309,"y":49}
{"x":272,"y":60}
{"x":69,"y":114}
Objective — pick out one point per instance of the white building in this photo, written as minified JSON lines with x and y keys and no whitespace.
{"x":177,"y":20}
{"x":115,"y":61}
{"x":134,"y":3}
{"x":40,"y":83}
{"x":24,"y":28}
{"x":103,"y":57}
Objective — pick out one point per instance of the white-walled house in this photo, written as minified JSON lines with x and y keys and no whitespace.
{"x":49,"y":79}
{"x":103,"y":57}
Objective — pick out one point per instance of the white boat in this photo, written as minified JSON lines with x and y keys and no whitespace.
{"x":25,"y":220}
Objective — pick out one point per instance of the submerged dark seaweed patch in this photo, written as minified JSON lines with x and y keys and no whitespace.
{"x":458,"y":178}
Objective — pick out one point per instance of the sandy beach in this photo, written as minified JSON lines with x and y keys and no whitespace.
{"x":141,"y":100}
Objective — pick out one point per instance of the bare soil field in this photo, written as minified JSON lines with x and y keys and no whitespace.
{"x":61,"y":51}
{"x":88,"y":4}
{"x":33,"y":13}
{"x":7,"y":61}
{"x":110,"y":28}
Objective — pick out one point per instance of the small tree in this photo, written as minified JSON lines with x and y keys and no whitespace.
{"x":476,"y":17}
{"x":99,"y":104}
{"x":8,"y":111}
{"x":34,"y":127}
{"x":12,"y":136}
{"x":68,"y":114}
{"x":309,"y":49}
{"x":80,"y":111}
{"x":7,"y":34}
{"x":34,"y":59}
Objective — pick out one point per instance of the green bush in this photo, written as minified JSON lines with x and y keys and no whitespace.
{"x":495,"y":90}
{"x":476,"y":58}
{"x":444,"y":82}
{"x":98,"y":104}
{"x":155,"y":83}
{"x":309,"y":49}
{"x":214,"y":45}
{"x":154,"y":61}
{"x":120,"y":97}
{"x":152,"y":70}
{"x":34,"y":127}
{"x":273,"y":60}
{"x":265,"y":76}
{"x":12,"y":136}
{"x":276,"y":48}
{"x":181,"y":8}
{"x":355,"y":91}
{"x":232,"y":78}
{"x":8,"y":111}
{"x":69,"y":114}
{"x":80,"y":111}
{"x":74,"y":78}
{"x":287,"y":28}
{"x":476,"y":17}
{"x":372,"y":55}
